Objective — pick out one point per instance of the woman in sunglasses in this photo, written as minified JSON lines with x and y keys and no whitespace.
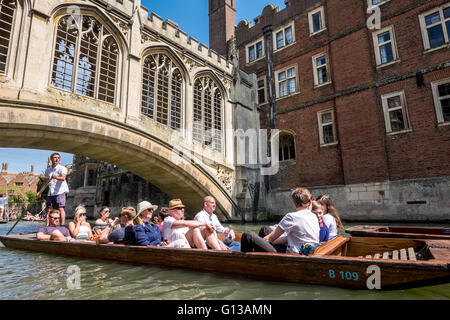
{"x":80,"y":229}
{"x":104,"y":220}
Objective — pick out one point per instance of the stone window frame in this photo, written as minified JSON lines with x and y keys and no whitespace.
{"x":311,"y":13}
{"x":387,"y":110}
{"x":74,"y":77}
{"x":371,"y":5}
{"x":321,"y":125}
{"x":277,"y":81}
{"x":13,"y":5}
{"x":424,"y":28}
{"x":437,"y":103}
{"x":264,"y":87}
{"x":315,"y":69}
{"x":253,"y":45}
{"x":289,"y":142}
{"x":377,"y":45}
{"x":282,"y":29}
{"x":200,"y":108}
{"x":176,"y":66}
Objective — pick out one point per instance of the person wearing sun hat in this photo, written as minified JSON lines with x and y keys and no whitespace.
{"x":195,"y":232}
{"x":146,"y":233}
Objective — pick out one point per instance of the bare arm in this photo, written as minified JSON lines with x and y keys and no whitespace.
{"x":59,"y":178}
{"x":190,"y":224}
{"x":42,"y":236}
{"x":274,"y":235}
{"x":74,"y":229}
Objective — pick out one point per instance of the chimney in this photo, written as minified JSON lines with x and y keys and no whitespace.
{"x":32,"y":169}
{"x":222,"y":21}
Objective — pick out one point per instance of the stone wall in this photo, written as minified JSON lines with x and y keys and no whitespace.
{"x":414,"y":200}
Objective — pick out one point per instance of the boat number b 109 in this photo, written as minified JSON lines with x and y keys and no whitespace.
{"x":351,"y":276}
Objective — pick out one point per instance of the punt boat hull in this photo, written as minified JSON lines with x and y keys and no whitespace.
{"x":328,"y":266}
{"x":400,"y":232}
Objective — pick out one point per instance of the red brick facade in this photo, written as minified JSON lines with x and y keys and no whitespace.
{"x":365,"y":151}
{"x":26,"y":181}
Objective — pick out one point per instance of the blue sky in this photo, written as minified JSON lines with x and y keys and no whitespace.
{"x":191,"y":17}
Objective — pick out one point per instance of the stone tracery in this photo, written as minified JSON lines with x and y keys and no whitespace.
{"x":86,"y":58}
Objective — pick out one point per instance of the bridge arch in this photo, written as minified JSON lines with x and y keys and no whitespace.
{"x":43,"y":127}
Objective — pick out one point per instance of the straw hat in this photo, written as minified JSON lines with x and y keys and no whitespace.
{"x":144,"y":205}
{"x":175,"y":203}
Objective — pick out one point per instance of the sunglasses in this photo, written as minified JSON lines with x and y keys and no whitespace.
{"x":54,"y":217}
{"x":179,"y":208}
{"x":107,"y":210}
{"x":82,"y":214}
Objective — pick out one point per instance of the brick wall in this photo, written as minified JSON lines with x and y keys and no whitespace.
{"x":365,"y":153}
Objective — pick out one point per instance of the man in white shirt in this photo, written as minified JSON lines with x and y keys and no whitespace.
{"x":195,"y":232}
{"x":207,"y":215}
{"x":55,"y":177}
{"x":302,"y":228}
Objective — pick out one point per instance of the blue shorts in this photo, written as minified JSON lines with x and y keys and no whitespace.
{"x":56,"y":202}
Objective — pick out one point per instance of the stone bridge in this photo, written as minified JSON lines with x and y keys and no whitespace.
{"x":106,"y":80}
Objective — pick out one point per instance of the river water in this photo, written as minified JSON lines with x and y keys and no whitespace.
{"x":31,"y":276}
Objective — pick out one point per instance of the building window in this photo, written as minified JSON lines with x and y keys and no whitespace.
{"x":7,"y":10}
{"x":286,"y":82}
{"x":375,"y":3}
{"x":162,"y":90}
{"x":441,"y":94}
{"x":261,"y":91}
{"x":385,"y":46}
{"x":395,"y":112}
{"x":86,"y":59}
{"x":19,"y":184}
{"x":208,"y":106}
{"x":435,"y":26}
{"x":321,"y":69}
{"x":286,"y":147}
{"x":284,"y":36}
{"x":327,"y":127}
{"x":255,"y":51}
{"x":316,"y":21}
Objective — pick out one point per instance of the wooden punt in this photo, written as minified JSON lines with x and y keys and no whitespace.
{"x":3,"y":221}
{"x":400,"y":232}
{"x":341,"y":262}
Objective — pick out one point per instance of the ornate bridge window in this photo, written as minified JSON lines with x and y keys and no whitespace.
{"x":7,"y":10}
{"x":86,"y":58}
{"x":162,"y":90}
{"x":208,"y":102}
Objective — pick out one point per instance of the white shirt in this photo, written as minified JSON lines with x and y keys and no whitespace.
{"x":212,"y":219}
{"x":301,"y":226}
{"x":172,"y":234}
{"x":56,"y":187}
{"x":330,"y":222}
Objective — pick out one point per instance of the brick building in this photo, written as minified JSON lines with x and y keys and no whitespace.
{"x":363,"y":109}
{"x":25,"y":181}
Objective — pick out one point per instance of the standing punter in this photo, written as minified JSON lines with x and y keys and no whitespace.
{"x":55,"y":177}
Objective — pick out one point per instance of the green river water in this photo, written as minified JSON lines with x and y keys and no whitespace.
{"x":36,"y":276}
